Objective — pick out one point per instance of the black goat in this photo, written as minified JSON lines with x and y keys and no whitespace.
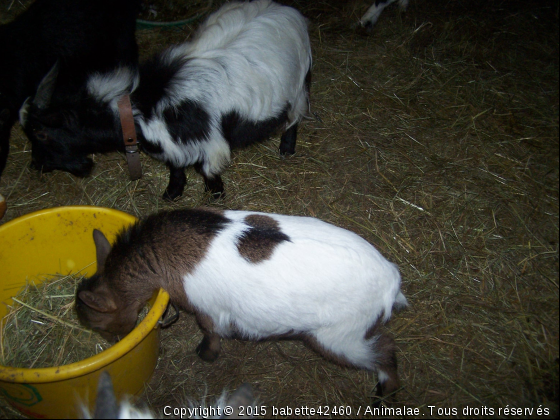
{"x":82,"y":35}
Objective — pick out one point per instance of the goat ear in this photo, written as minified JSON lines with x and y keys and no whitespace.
{"x":102,"y":248}
{"x":45,"y":90}
{"x":24,"y":111}
{"x":242,"y":397}
{"x":99,"y":300}
{"x":106,"y":406}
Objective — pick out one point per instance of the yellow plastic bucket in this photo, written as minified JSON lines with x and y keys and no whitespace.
{"x":59,"y":240}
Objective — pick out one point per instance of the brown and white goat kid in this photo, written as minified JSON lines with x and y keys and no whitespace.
{"x":253,"y":276}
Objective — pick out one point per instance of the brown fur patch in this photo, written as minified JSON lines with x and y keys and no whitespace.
{"x":155,"y":252}
{"x":385,"y":350}
{"x":386,"y":358}
{"x":261,"y":221}
{"x":257,"y":244}
{"x":160,"y":250}
{"x":210,"y":346}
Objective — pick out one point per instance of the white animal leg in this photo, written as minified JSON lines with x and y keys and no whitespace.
{"x":369,"y":19}
{"x":363,"y":350}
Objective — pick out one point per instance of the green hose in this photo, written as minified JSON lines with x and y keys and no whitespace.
{"x":147,"y":24}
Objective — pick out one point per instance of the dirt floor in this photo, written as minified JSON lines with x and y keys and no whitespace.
{"x":435,"y":138}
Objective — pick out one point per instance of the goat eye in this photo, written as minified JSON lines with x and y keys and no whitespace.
{"x":41,"y":136}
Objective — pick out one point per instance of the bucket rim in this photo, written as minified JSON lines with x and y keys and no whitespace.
{"x":160,"y":300}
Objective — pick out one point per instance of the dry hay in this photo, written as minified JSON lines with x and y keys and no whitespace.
{"x":436,"y":139}
{"x":42,"y":329}
{"x":9,"y":9}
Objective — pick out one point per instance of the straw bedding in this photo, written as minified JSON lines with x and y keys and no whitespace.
{"x":436,"y":139}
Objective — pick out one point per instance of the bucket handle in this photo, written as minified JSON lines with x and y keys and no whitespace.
{"x":163,"y":322}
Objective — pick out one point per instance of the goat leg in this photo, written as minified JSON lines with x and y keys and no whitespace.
{"x":212,"y":184}
{"x":288,"y":141}
{"x":177,"y":182}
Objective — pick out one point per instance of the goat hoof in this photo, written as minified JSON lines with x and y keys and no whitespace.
{"x":216,"y":191}
{"x":217,"y":195}
{"x":206,"y":354}
{"x":287,"y":152}
{"x":167,"y":196}
{"x":378,"y":401}
{"x":215,"y":187}
{"x":364,"y":29}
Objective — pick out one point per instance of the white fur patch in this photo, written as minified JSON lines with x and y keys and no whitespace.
{"x":109,"y":87}
{"x":373,"y":13}
{"x":382,"y":377}
{"x":214,"y":151}
{"x":128,"y":411}
{"x":325,"y":281}
{"x":255,"y":57}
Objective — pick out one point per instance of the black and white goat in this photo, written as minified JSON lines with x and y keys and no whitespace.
{"x":244,"y":75}
{"x":369,"y":19}
{"x":85,"y":35}
{"x":253,"y":276}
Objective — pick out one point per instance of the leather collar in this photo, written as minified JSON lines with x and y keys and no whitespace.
{"x":129,"y":138}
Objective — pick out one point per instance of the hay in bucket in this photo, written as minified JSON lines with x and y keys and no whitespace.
{"x":42,"y":329}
